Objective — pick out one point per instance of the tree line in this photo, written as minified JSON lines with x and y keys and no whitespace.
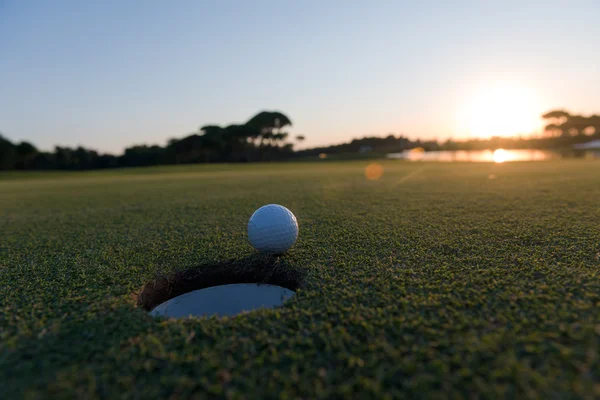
{"x":562,"y":123}
{"x":562,"y":131}
{"x":262,"y":138}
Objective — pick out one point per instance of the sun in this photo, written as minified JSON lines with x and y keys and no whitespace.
{"x":500,"y":155}
{"x":501,"y":109}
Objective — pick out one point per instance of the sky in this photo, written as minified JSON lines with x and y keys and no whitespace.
{"x":110,"y":74}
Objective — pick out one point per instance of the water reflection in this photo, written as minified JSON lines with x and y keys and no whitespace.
{"x":497,"y":156}
{"x":224,"y":300}
{"x":500,"y":156}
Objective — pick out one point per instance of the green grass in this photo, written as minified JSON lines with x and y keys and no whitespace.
{"x":433,"y":281}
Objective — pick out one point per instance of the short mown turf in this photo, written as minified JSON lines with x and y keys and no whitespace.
{"x":457,"y":280}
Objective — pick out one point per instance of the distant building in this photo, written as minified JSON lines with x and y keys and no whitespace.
{"x":365,"y":149}
{"x":593,"y":145}
{"x":591,"y":149}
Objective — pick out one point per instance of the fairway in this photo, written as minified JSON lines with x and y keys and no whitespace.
{"x":428,"y":280}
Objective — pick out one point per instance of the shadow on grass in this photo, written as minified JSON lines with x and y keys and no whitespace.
{"x":253,"y":269}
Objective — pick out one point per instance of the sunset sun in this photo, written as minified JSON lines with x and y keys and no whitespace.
{"x":502,"y":109}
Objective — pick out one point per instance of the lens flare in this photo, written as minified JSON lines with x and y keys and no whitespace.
{"x":373,"y":171}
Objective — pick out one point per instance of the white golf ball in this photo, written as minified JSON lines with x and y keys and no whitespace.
{"x":272,"y":229}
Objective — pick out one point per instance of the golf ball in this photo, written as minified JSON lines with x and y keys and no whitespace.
{"x":272,"y":229}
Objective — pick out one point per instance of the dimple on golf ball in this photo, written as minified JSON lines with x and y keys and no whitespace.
{"x":272,"y":229}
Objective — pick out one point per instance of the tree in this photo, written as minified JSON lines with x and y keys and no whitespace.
{"x":556,"y":114}
{"x":261,"y":138}
{"x":84,"y":159}
{"x":190,"y":149}
{"x":143,"y":155}
{"x":63,"y":156}
{"x":562,"y":123}
{"x":553,"y":129}
{"x":269,"y":123}
{"x":240,"y":133}
{"x":8,"y":154}
{"x":213,"y":142}
{"x":556,"y":118}
{"x":239,"y":139}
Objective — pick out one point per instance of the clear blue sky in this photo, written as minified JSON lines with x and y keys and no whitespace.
{"x":108,"y":74}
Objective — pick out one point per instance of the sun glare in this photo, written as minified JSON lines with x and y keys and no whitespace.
{"x":501,"y":110}
{"x":500,"y":156}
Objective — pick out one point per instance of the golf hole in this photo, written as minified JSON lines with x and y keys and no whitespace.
{"x":225,"y":289}
{"x":224,"y":300}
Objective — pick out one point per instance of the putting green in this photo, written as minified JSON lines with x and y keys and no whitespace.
{"x":415,"y":279}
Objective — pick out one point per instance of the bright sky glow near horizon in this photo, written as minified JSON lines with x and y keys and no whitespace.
{"x":110,"y":74}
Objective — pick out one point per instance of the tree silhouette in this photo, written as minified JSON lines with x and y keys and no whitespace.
{"x":239,"y":140}
{"x":562,"y":123}
{"x":26,"y":154}
{"x":212,"y":141}
{"x":556,"y":114}
{"x":269,"y":124}
{"x":556,"y":119}
{"x":8,"y":154}
{"x":261,"y":138}
{"x":142,"y":156}
{"x":190,"y":149}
